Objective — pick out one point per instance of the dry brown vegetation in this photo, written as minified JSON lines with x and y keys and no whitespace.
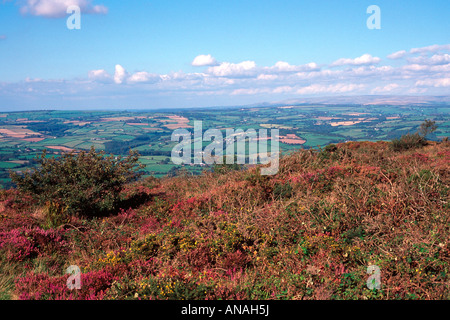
{"x":308,"y":232}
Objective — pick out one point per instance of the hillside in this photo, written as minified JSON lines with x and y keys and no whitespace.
{"x":309,"y":232}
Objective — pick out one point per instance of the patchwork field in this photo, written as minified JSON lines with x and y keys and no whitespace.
{"x":24,"y":135}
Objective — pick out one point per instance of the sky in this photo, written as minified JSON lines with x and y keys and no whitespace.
{"x":178,"y":53}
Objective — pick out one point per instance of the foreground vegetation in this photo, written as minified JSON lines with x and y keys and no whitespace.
{"x":309,"y":232}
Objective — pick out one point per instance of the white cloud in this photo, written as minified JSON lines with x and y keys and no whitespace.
{"x":415,"y":67}
{"x":58,"y":8}
{"x":443,"y":82}
{"x":204,"y":60}
{"x":433,"y":48}
{"x":386,"y":88}
{"x":322,"y":74}
{"x":282,"y":66}
{"x":31,"y":80}
{"x":440,"y":68}
{"x":312,"y":66}
{"x":332,"y":88}
{"x":365,"y":59}
{"x":264,"y":76}
{"x":436,"y":59}
{"x":283,"y":89}
{"x":100,"y":76}
{"x":417,"y":90}
{"x":251,"y":91}
{"x":120,"y":74}
{"x":397,"y":55}
{"x":143,"y":77}
{"x":227,"y":69}
{"x":369,"y":71}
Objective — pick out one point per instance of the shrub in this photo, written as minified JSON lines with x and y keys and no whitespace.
{"x":282,"y":191}
{"x":44,"y":287}
{"x":55,"y":215}
{"x":86,"y":183}
{"x":408,"y":141}
{"x":414,"y":140}
{"x":26,"y":243}
{"x":225,"y":167}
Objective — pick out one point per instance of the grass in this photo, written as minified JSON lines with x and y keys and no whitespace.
{"x":9,"y":165}
{"x":314,"y":139}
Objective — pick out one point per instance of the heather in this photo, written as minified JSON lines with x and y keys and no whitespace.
{"x":308,"y":232}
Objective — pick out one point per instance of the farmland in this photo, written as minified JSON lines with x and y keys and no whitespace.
{"x":24,"y":135}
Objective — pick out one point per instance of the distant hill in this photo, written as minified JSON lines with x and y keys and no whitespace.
{"x":367,"y":100}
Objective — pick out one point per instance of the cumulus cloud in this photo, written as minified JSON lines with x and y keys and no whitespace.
{"x":227,"y":69}
{"x":31,"y":80}
{"x":143,"y":77}
{"x":58,"y":8}
{"x":443,"y":82}
{"x":100,"y":76}
{"x":249,"y":69}
{"x":433,"y":48}
{"x":437,"y":59}
{"x":251,"y":91}
{"x":415,"y":67}
{"x":416,"y":90}
{"x":269,"y":77}
{"x":365,"y":59}
{"x":282,"y":66}
{"x":120,"y":74}
{"x":332,"y":88}
{"x":397,"y":55}
{"x":283,"y":89}
{"x":204,"y":60}
{"x":254,"y":91}
{"x":384,"y":89}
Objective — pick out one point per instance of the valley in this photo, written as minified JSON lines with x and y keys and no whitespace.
{"x":24,"y":135}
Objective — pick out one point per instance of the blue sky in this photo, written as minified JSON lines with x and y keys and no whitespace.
{"x":151,"y":54}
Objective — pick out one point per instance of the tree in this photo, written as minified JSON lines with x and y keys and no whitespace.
{"x":85,"y":183}
{"x":427,"y":127}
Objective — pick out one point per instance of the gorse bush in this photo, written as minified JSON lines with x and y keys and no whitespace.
{"x":85,"y":183}
{"x":414,"y":140}
{"x":225,"y":167}
{"x":408,"y":141}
